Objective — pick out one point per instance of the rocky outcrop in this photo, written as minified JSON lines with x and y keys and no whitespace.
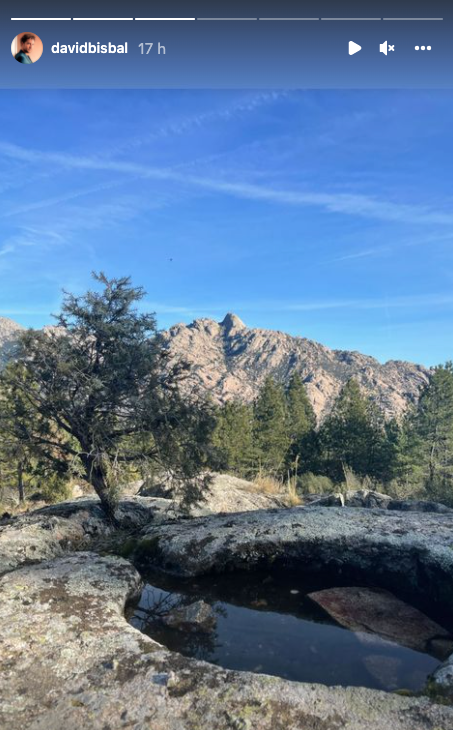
{"x":406,"y":553}
{"x":230,"y":360}
{"x":379,"y":613}
{"x":224,"y":493}
{"x":370,"y":499}
{"x":55,"y":530}
{"x":69,"y":659}
{"x":9,"y":332}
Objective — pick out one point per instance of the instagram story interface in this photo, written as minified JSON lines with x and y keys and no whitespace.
{"x":226,"y":380}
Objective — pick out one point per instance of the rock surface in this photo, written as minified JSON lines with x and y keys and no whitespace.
{"x":407,"y":553}
{"x":68,"y":659}
{"x":370,"y":499}
{"x":378,"y":612}
{"x":230,"y":360}
{"x":197,"y":616}
{"x":227,"y":494}
{"x":55,"y":530}
{"x":9,"y":332}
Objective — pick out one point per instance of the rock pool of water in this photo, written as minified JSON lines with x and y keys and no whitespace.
{"x":264,"y":622}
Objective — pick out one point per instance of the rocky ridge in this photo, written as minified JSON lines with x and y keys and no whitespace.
{"x":230,"y":360}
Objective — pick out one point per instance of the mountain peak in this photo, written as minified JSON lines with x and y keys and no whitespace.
{"x":232,"y":322}
{"x":232,"y":361}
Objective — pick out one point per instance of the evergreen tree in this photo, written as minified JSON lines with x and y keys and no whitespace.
{"x":432,"y":441}
{"x":301,"y":416}
{"x":301,"y":422}
{"x":233,"y":438}
{"x":271,"y":428}
{"x":393,"y":447}
{"x":22,"y":466}
{"x":352,"y":436}
{"x":97,"y":390}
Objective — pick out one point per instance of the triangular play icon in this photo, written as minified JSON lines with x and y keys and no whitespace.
{"x":354,"y":48}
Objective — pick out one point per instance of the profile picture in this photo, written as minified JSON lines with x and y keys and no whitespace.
{"x":27,"y":48}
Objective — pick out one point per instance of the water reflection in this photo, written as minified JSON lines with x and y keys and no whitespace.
{"x":266,"y":624}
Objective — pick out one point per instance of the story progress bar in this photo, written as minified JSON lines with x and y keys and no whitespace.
{"x":229,"y":19}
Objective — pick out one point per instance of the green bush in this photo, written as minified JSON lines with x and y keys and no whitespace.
{"x":54,"y":489}
{"x":310,"y":483}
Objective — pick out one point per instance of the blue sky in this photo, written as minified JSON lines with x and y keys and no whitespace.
{"x":325,"y":214}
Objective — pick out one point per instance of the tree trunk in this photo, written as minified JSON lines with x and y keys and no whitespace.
{"x":20,"y":483}
{"x":96,"y":477}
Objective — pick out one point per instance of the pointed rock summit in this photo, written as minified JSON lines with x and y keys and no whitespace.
{"x":232,"y":323}
{"x":231,"y":361}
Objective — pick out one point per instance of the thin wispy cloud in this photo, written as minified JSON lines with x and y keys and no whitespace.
{"x":339,"y":203}
{"x":365,"y":253}
{"x":322,"y":212}
{"x":60,"y":199}
{"x":408,"y":302}
{"x":6,"y":249}
{"x":238,"y":107}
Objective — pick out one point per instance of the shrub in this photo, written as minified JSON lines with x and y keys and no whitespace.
{"x":310,"y":483}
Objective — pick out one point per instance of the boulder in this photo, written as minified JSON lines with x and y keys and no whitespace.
{"x":419,"y":505}
{"x":54,"y":530}
{"x":223,"y":493}
{"x":371,"y":500}
{"x":197,"y":616}
{"x":361,"y":498}
{"x":374,"y":611}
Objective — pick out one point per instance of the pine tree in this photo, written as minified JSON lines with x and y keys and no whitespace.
{"x":97,"y":390}
{"x":432,"y":443}
{"x":232,"y":439}
{"x":301,"y":421}
{"x":271,"y":428}
{"x":392,"y":452}
{"x":22,"y":465}
{"x":301,"y":416}
{"x":352,"y":436}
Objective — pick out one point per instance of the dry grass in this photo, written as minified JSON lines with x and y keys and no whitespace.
{"x":292,"y":496}
{"x":272,"y":487}
{"x":18,"y":509}
{"x":269,"y":485}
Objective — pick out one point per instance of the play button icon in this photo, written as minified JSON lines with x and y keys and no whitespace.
{"x":354,"y":48}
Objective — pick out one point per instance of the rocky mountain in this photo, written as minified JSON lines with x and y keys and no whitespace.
{"x":8,"y":336}
{"x":231,"y":360}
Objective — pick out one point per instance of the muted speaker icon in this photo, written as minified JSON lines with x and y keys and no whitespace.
{"x":386,"y":48}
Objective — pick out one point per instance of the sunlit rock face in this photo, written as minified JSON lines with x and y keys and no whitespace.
{"x":9,"y":332}
{"x":69,"y":658}
{"x":231,"y":361}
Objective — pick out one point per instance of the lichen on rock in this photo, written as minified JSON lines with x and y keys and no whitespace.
{"x":68,"y":658}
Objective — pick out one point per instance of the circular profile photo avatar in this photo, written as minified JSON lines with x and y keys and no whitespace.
{"x":27,"y":48}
